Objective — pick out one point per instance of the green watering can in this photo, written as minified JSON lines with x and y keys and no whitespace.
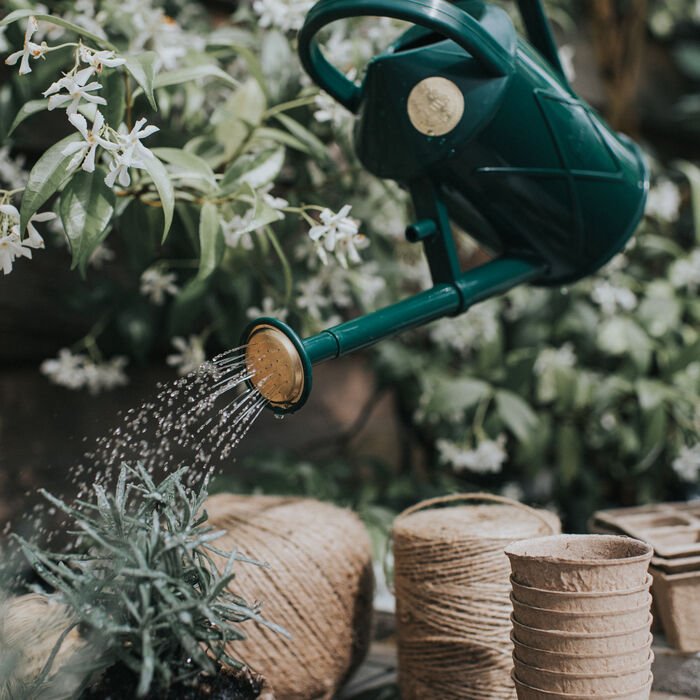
{"x":482,"y":128}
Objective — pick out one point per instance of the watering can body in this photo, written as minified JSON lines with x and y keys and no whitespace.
{"x":484,"y":130}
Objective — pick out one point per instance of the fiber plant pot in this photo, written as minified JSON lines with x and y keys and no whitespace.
{"x":582,"y":622}
{"x":581,"y":683}
{"x":677,"y":599}
{"x":527,"y":692}
{"x":583,"y":644}
{"x":602,"y":563}
{"x":586,"y":601}
{"x":577,"y":663}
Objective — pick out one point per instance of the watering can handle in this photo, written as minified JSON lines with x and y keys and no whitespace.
{"x":437,"y":15}
{"x":540,"y":34}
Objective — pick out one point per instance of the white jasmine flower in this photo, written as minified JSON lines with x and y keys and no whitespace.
{"x":99,"y":376}
{"x":132,"y":153}
{"x":10,"y":249}
{"x":311,"y":297}
{"x":664,"y":201}
{"x":101,"y":255}
{"x":268,"y":309}
{"x":190,"y":354}
{"x":685,"y":272}
{"x":12,"y":172}
{"x":235,"y":231}
{"x":29,"y":49}
{"x":33,"y":238}
{"x":566,"y":56}
{"x":85,"y":150}
{"x":333,"y":229}
{"x":66,"y":370}
{"x":611,"y":298}
{"x":487,"y":458}
{"x":99,"y":59}
{"x":329,"y":110}
{"x":555,"y":358}
{"x":687,"y":463}
{"x":156,"y":284}
{"x":277,"y":203}
{"x":76,"y":89}
{"x":287,"y":15}
{"x":608,"y":421}
{"x":470,"y":331}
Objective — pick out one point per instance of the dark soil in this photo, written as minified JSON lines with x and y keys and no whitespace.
{"x":119,"y":683}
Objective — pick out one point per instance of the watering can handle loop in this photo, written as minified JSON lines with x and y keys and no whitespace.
{"x":437,"y":15}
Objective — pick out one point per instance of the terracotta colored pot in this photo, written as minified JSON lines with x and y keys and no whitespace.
{"x":581,"y":683}
{"x":576,"y":663}
{"x":581,"y":601}
{"x":588,"y":623}
{"x":603,"y":563}
{"x":583,"y":644}
{"x":527,"y":692}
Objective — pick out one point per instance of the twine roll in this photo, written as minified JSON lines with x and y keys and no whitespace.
{"x":319,"y":588}
{"x":451,"y":579}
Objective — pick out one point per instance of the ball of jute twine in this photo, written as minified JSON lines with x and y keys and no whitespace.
{"x":452,"y":586}
{"x":318,"y":586}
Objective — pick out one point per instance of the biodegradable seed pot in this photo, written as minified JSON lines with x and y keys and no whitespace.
{"x":602,"y":563}
{"x":578,"y":663}
{"x":527,"y":692}
{"x":584,"y":601}
{"x":584,"y":644}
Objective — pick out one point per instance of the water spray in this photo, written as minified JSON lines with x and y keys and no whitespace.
{"x":482,"y":128}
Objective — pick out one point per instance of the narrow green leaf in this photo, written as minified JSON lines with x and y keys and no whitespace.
{"x":161,"y":180}
{"x":520,"y":419}
{"x":314,"y":145}
{"x":45,"y":178}
{"x":114,"y":91}
{"x":142,"y":67}
{"x":254,"y":170}
{"x":53,"y":19}
{"x":86,"y":209}
{"x":190,"y":163}
{"x":692,"y":173}
{"x":211,"y":242}
{"x":26,"y":111}
{"x":185,"y":75}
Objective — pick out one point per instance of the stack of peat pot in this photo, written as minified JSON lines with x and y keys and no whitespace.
{"x":581,"y":618}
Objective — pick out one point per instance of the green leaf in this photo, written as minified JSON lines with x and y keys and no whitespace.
{"x":53,"y":19}
{"x":185,"y":75}
{"x":26,"y":111}
{"x":211,"y":241}
{"x":113,"y":90}
{"x":161,"y":180}
{"x":620,"y":336}
{"x":315,"y":146}
{"x":265,"y":133}
{"x":516,"y":414}
{"x":45,"y":178}
{"x":142,"y":67}
{"x":451,"y":397}
{"x":652,"y":393}
{"x":188,"y":163}
{"x":569,"y":453}
{"x":254,"y":170}
{"x":86,"y":209}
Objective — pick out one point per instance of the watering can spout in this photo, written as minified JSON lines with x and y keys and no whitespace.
{"x":281,"y":362}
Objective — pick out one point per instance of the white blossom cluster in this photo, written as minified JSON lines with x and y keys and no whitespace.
{"x":190,"y":354}
{"x":287,"y":15}
{"x":338,"y":234}
{"x":78,"y":371}
{"x":686,"y":272}
{"x":77,"y":89}
{"x":664,"y":201}
{"x":12,"y":245}
{"x":687,"y":463}
{"x":157,"y":284}
{"x":611,"y":298}
{"x":487,"y":458}
{"x":555,"y":358}
{"x":468,"y":332}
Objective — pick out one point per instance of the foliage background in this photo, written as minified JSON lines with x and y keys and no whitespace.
{"x":579,"y":398}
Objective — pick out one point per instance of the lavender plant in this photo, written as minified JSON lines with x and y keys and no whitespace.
{"x":141,"y":582}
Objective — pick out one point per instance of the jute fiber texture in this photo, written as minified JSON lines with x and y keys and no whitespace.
{"x":319,"y":587}
{"x":452,"y":586}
